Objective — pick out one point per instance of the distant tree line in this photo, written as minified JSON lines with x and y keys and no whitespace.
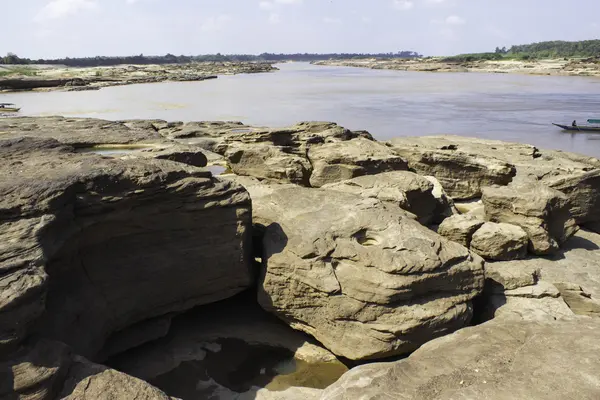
{"x":553,"y":49}
{"x":141,"y":59}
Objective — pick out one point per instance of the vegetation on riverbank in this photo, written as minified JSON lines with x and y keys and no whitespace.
{"x":534,"y":51}
{"x":17,"y":71}
{"x":13,"y":59}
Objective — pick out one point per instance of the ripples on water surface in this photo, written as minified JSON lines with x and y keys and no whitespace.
{"x":387,"y":103}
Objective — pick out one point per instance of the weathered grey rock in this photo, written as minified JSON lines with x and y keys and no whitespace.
{"x":269,"y":162}
{"x":500,"y":242}
{"x":82,"y":132}
{"x":541,"y":211}
{"x":407,"y":190}
{"x":460,"y":228}
{"x":178,"y":153}
{"x":511,"y":275}
{"x":36,"y":371}
{"x":93,"y":245}
{"x":339,"y":161}
{"x":462,"y":173}
{"x":523,"y":307}
{"x":582,"y":188}
{"x":358,"y":275}
{"x":231,"y":348}
{"x":574,"y":270}
{"x":503,"y":361}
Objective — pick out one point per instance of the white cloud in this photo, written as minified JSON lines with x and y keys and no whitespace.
{"x":330,"y":20}
{"x":366,"y":20}
{"x":266,"y":5}
{"x":215,"y":23}
{"x":403,"y":5}
{"x":61,"y":8}
{"x":274,"y":18}
{"x":288,"y":1}
{"x":455,"y":20}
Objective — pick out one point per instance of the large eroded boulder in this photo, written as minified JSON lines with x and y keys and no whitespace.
{"x":500,"y":361}
{"x":462,"y":173}
{"x":500,"y":242}
{"x":91,"y":245}
{"x":460,"y":228}
{"x":338,"y":161}
{"x":358,"y":274}
{"x":409,"y":191}
{"x":541,"y":211}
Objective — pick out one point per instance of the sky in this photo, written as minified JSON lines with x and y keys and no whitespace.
{"x":78,"y":28}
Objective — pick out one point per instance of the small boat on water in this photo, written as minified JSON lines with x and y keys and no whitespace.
{"x":579,"y":128}
{"x":593,"y":121}
{"x":8,"y":107}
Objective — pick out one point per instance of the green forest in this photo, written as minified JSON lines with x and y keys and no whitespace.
{"x":173,"y":59}
{"x":552,"y":49}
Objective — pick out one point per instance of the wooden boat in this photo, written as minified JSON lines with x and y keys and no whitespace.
{"x":8,"y":107}
{"x":579,"y":128}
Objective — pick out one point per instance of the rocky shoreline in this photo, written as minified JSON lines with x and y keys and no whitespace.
{"x":90,"y":78}
{"x":130,"y":268}
{"x":555,"y":67}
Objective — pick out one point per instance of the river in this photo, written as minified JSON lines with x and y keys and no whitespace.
{"x":508,"y":107}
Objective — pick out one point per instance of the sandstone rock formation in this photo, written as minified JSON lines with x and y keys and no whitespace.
{"x":541,"y":211}
{"x":358,"y":275}
{"x":231,"y":349}
{"x":339,"y":161}
{"x":460,"y":228}
{"x":502,"y":361}
{"x":462,"y":174}
{"x":500,"y":242}
{"x":407,"y":190}
{"x":92,"y":246}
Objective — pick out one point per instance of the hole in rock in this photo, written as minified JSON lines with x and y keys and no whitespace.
{"x":365,"y":238}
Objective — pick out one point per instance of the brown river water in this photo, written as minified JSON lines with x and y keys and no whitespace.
{"x":507,"y":107}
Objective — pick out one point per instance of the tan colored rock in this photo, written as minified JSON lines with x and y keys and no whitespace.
{"x":339,"y":161}
{"x":93,"y":245}
{"x":89,"y":381}
{"x":363,"y":279}
{"x":269,"y":162}
{"x":578,"y":300}
{"x":462,"y":173}
{"x":407,"y":190}
{"x":542,"y":212}
{"x":509,"y":275}
{"x":500,"y":361}
{"x":460,"y":228}
{"x":500,"y":242}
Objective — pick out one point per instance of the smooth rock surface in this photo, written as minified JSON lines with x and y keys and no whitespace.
{"x":493,"y":361}
{"x":500,"y":242}
{"x":542,"y":212}
{"x":363,"y":279}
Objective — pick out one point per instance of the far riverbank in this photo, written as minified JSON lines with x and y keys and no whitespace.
{"x":549,"y":67}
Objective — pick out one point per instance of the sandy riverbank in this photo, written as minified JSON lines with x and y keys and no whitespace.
{"x":561,"y":67}
{"x":92,"y":78}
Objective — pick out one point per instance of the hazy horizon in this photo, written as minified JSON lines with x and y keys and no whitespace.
{"x":87,"y":28}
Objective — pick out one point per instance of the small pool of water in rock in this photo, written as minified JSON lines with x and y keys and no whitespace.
{"x":113,"y":150}
{"x":238,"y":367}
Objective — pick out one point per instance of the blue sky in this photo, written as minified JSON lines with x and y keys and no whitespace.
{"x":59,"y":28}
